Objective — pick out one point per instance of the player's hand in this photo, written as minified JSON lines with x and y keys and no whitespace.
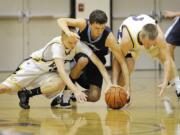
{"x":72,"y":34}
{"x":80,"y":96}
{"x":169,"y":14}
{"x":162,"y":87}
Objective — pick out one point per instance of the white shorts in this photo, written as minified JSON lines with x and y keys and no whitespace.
{"x":30,"y":73}
{"x":46,"y":80}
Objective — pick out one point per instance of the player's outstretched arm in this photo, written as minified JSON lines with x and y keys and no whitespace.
{"x":64,"y":23}
{"x":170,"y":71}
{"x":117,"y":52}
{"x":80,"y":96}
{"x":171,"y":14}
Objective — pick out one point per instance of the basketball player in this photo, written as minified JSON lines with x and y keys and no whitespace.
{"x":173,"y":33}
{"x":142,"y":32}
{"x":42,"y":66}
{"x":99,"y":38}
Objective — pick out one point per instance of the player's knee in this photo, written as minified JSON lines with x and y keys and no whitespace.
{"x":51,"y":87}
{"x":4,"y":89}
{"x":83,"y":61}
{"x":56,"y":86}
{"x":94,"y":96}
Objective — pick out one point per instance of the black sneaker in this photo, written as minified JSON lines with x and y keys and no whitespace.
{"x":24,"y":99}
{"x":56,"y":101}
{"x":178,"y":94}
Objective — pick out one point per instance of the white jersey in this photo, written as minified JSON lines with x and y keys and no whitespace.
{"x":42,"y":62}
{"x":55,"y":49}
{"x":134,"y":25}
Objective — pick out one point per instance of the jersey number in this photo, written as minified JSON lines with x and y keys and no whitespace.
{"x":137,"y":18}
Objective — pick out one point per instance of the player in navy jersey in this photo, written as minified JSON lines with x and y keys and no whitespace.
{"x":173,"y":33}
{"x":100,"y":39}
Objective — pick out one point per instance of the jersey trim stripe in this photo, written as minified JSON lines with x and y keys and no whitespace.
{"x":129,"y":34}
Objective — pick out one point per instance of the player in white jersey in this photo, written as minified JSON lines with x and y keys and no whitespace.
{"x":143,"y":33}
{"x":42,"y":66}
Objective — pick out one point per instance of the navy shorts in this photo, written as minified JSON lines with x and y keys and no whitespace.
{"x":90,"y":75}
{"x":173,"y":33}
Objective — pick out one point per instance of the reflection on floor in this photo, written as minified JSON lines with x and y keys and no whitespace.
{"x":147,"y":115}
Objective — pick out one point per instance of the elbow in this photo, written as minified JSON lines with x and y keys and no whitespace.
{"x":60,"y":20}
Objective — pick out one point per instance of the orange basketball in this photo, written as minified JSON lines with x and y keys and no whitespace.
{"x":116,"y":97}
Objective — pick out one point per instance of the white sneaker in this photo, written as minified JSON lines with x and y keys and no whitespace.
{"x":168,"y":105}
{"x":177,"y":86}
{"x":65,"y":99}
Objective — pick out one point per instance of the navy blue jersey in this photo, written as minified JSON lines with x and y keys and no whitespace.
{"x":97,"y":45}
{"x":173,"y":33}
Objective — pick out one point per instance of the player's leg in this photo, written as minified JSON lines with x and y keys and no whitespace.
{"x":173,"y":36}
{"x":75,"y":75}
{"x":95,"y":83}
{"x":7,"y":86}
{"x":93,"y":94}
{"x":47,"y":84}
{"x":81,"y":61}
{"x":90,"y":79}
{"x":17,"y":80}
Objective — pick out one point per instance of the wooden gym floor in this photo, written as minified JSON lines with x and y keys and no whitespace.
{"x":147,"y":115}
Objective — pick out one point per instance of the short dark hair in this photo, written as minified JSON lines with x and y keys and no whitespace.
{"x":98,"y":16}
{"x":151,"y":31}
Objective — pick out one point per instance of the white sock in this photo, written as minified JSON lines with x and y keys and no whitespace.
{"x":177,"y":84}
{"x":167,"y":105}
{"x":67,"y":95}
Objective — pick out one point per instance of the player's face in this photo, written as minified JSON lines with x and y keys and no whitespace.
{"x":97,"y":29}
{"x":148,"y":43}
{"x":70,"y":42}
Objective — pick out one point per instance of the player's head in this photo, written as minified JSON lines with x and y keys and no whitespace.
{"x":149,"y":34}
{"x":69,"y":41}
{"x":98,"y":20}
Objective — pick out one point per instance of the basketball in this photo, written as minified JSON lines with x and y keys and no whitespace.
{"x":116,"y":97}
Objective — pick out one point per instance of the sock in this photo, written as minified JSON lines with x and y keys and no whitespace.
{"x":168,"y":105}
{"x":177,"y":84}
{"x":67,"y":95}
{"x":34,"y":92}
